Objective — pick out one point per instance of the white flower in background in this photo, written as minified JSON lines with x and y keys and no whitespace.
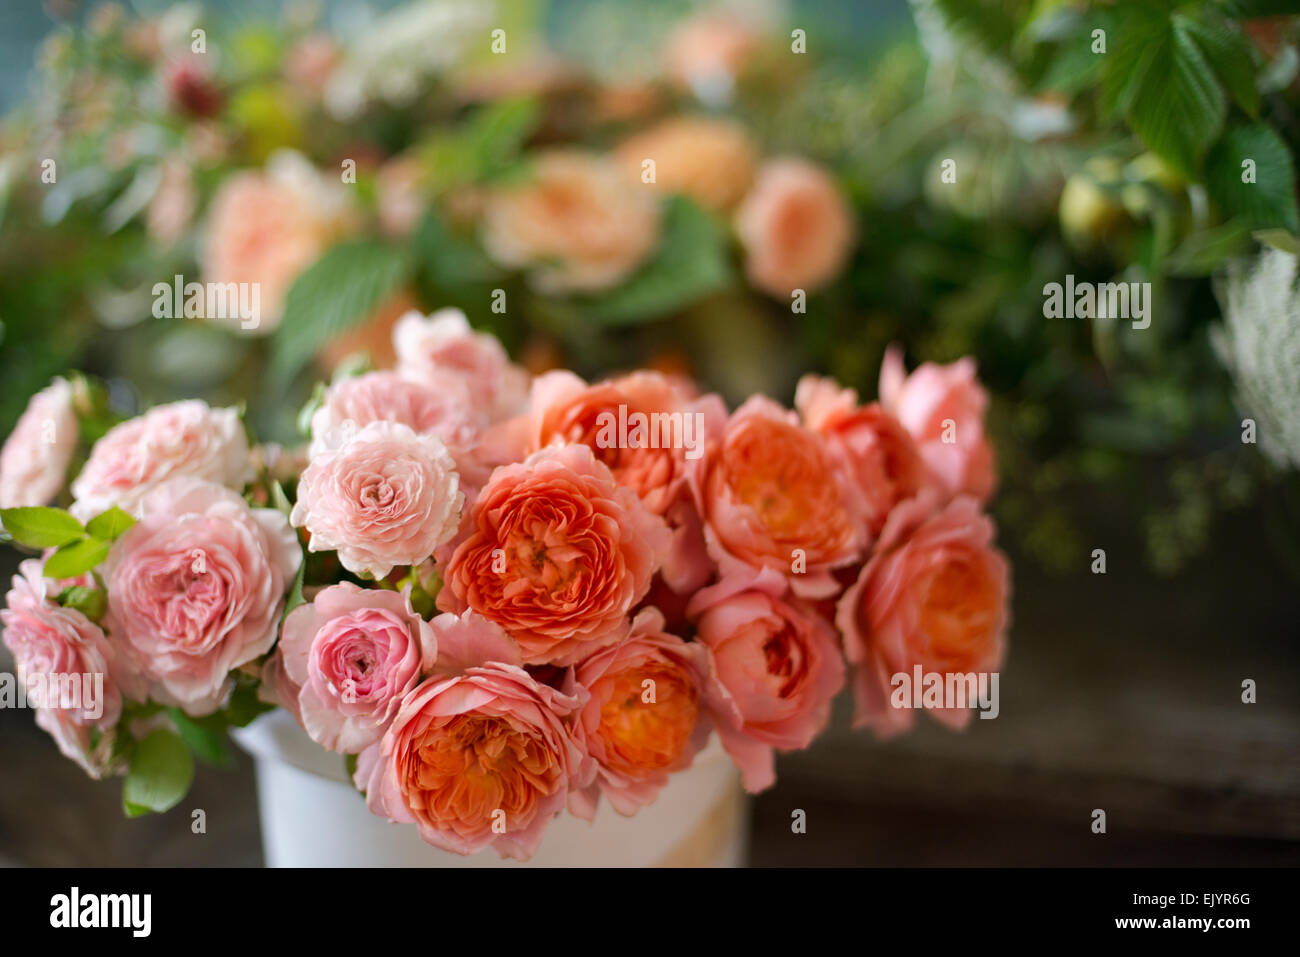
{"x":1259,"y":343}
{"x":396,"y":54}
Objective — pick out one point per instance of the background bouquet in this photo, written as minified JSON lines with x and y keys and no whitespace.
{"x":500,"y":598}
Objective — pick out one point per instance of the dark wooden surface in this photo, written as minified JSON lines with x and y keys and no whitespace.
{"x":1121,"y":692}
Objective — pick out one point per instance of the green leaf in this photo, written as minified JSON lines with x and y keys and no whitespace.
{"x":244,"y":705}
{"x":690,"y":264}
{"x":449,"y":259}
{"x":1270,"y":201}
{"x":1229,"y":53}
{"x":91,"y":602}
{"x":110,"y":525}
{"x":39,"y":527}
{"x":160,"y":775}
{"x":1176,"y":105}
{"x":1203,"y":252}
{"x":206,"y":737}
{"x":1279,"y":239}
{"x":295,"y":590}
{"x":77,"y":558}
{"x":343,"y":287}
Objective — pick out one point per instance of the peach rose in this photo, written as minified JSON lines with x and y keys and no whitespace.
{"x":779,"y":662}
{"x":442,"y":351}
{"x":943,"y":407}
{"x":645,"y":717}
{"x":557,"y":554}
{"x":933,"y":594}
{"x":47,"y":640}
{"x":707,"y":53}
{"x":195,"y":589}
{"x":267,"y":227}
{"x":868,"y":444}
{"x":399,"y":200}
{"x":354,"y":654}
{"x":770,"y":496}
{"x":710,"y":160}
{"x":481,"y":758}
{"x":35,"y":458}
{"x":381,"y":496}
{"x":796,"y":227}
{"x":578,"y":226}
{"x":186,"y":439}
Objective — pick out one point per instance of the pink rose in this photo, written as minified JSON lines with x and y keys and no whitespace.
{"x":195,"y":589}
{"x":383,"y":497}
{"x":933,"y":594}
{"x":483,"y":757}
{"x":34,"y":461}
{"x":48,"y":642}
{"x":769,"y":495}
{"x":266,"y":228}
{"x":646,"y":714}
{"x":943,"y":407}
{"x":185,"y":439}
{"x":443,"y":348}
{"x":779,"y":662}
{"x":796,"y":227}
{"x":445,"y":411}
{"x":354,"y":653}
{"x":556,"y":553}
{"x":871,"y":448}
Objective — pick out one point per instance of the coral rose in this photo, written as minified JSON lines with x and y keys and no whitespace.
{"x":267,"y":227}
{"x":707,"y":53}
{"x":579,"y":225}
{"x":354,"y":653}
{"x":48,"y":642}
{"x":195,"y":589}
{"x":646,"y":714}
{"x":943,"y":407}
{"x":711,"y":161}
{"x":770,"y":496}
{"x":35,"y":458}
{"x":186,"y":439}
{"x":442,"y":351}
{"x":870,"y":446}
{"x":481,"y":758}
{"x":933,"y":594}
{"x":381,"y":496}
{"x":556,"y":553}
{"x":659,"y":423}
{"x":796,"y":227}
{"x":779,"y":662}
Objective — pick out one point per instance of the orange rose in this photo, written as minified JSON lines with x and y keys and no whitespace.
{"x":795,"y":226}
{"x":644,"y":717}
{"x":869,"y":445}
{"x":556,"y":554}
{"x":579,"y":224}
{"x":934,"y":594}
{"x":770,"y":496}
{"x":711,"y":161}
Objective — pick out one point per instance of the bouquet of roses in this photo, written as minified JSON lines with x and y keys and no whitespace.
{"x":499,"y":598}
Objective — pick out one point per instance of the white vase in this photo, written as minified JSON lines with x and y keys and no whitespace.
{"x":312,"y":816}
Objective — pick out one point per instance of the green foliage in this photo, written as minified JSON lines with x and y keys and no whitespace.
{"x":691,"y":263}
{"x":344,"y":286}
{"x":159,"y":775}
{"x":39,"y":527}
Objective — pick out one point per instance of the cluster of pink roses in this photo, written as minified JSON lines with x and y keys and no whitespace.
{"x":513,"y":614}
